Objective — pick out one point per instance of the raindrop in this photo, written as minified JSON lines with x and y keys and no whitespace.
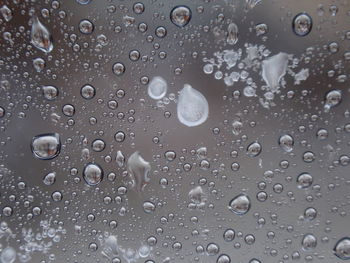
{"x":6,"y":13}
{"x":50,"y":92}
{"x":87,"y":92}
{"x":118,"y":68}
{"x":304,"y":180}
{"x":254,"y":149}
{"x":149,"y":207}
{"x":286,"y":142}
{"x":232,"y":34}
{"x":8,"y":255}
{"x":309,"y":242}
{"x":50,"y":178}
{"x":333,"y":98}
{"x":139,"y":170}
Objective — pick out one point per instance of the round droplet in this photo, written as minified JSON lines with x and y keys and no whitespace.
{"x":261,"y":29}
{"x":139,"y":8}
{"x":86,"y":26}
{"x":98,"y":145}
{"x":134,"y":55}
{"x":118,"y":68}
{"x":310,"y":213}
{"x":161,"y":32}
{"x":157,"y":88}
{"x":192,"y":107}
{"x":87,"y":92}
{"x":240,"y":205}
{"x":333,"y":98}
{"x":229,"y":235}
{"x":180,"y":15}
{"x":57,"y":196}
{"x":119,"y":136}
{"x":304,"y":180}
{"x":68,"y":110}
{"x":286,"y":142}
{"x":302,"y":24}
{"x":93,"y":174}
{"x":46,"y":146}
{"x":170,"y":155}
{"x":39,"y":64}
{"x":254,"y":149}
{"x":342,"y":248}
{"x":212,"y":249}
{"x":309,"y":242}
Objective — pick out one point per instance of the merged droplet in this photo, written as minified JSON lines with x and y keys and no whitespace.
{"x":180,"y":15}
{"x":157,"y":88}
{"x":273,"y":69}
{"x":139,"y":170}
{"x":302,"y":24}
{"x":342,"y":248}
{"x":192,"y":107}
{"x":40,"y":36}
{"x":93,"y":174}
{"x":240,"y":204}
{"x":46,"y":146}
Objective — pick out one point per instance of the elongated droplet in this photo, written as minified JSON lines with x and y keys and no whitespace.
{"x":157,"y":88}
{"x":139,"y":170}
{"x":192,"y":107}
{"x":6,"y":13}
{"x":232,"y":34}
{"x":273,"y":69}
{"x":120,"y":159}
{"x":40,"y":36}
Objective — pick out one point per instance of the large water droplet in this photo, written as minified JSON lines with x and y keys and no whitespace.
{"x":8,"y":255}
{"x":46,"y":146}
{"x":333,"y":98}
{"x":342,"y":248}
{"x":157,"y":88}
{"x":192,"y":107}
{"x":286,"y":142}
{"x":40,"y":36}
{"x":93,"y":174}
{"x":139,"y":170}
{"x":273,"y":69}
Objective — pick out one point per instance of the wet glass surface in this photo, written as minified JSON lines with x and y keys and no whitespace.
{"x":174,"y":131}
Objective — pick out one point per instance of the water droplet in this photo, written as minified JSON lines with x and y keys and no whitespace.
{"x":8,"y":255}
{"x":192,"y":107}
{"x":232,"y":34}
{"x":139,"y":8}
{"x":223,"y":259}
{"x":86,"y":27}
{"x":180,"y":15}
{"x":46,"y":146}
{"x":92,"y":174}
{"x":87,"y":92}
{"x":304,"y":180}
{"x":6,"y":13}
{"x":240,"y":204}
{"x":254,"y":149}
{"x":342,"y":248}
{"x":149,"y":207}
{"x":157,"y":88}
{"x":50,"y":92}
{"x":139,"y":170}
{"x":261,"y":29}
{"x":50,"y":178}
{"x":273,"y":69}
{"x":309,"y":242}
{"x":161,"y":31}
{"x":286,"y":142}
{"x":302,"y":24}
{"x":333,"y":98}
{"x":118,"y":68}
{"x":40,"y":36}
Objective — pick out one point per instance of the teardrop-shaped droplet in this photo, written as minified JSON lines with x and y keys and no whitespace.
{"x":273,"y":69}
{"x":232,"y":34}
{"x":46,"y":146}
{"x":139,"y":170}
{"x":192,"y":107}
{"x":157,"y":88}
{"x":40,"y":36}
{"x":120,"y":159}
{"x":240,"y":204}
